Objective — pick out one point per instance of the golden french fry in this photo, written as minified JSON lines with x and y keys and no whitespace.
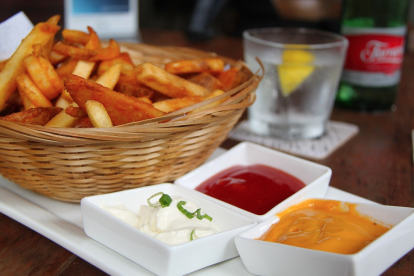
{"x":109,"y":52}
{"x":207,"y":80}
{"x":34,"y":68}
{"x":195,"y":66}
{"x":128,"y":77}
{"x":2,"y":64}
{"x":43,"y":73}
{"x":54,"y":79}
{"x":73,"y":51}
{"x":121,"y":109}
{"x":123,"y":58}
{"x":54,"y":20}
{"x":56,"y":58}
{"x":171,"y":105}
{"x":27,"y":103}
{"x":215,"y":93}
{"x":75,"y":111}
{"x":134,"y":89}
{"x":75,"y":36}
{"x":145,"y":99}
{"x":62,"y":119}
{"x":167,"y":83}
{"x":66,"y":68}
{"x":27,"y":87}
{"x":49,"y":46}
{"x":94,"y":41}
{"x":62,"y":102}
{"x":232,"y":78}
{"x":127,"y":80}
{"x":98,"y":114}
{"x":110,"y":77}
{"x":83,"y":123}
{"x":41,"y":33}
{"x":84,"y":68}
{"x":36,"y":116}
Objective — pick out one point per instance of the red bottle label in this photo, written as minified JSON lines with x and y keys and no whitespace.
{"x":374,"y":58}
{"x":375,"y":53}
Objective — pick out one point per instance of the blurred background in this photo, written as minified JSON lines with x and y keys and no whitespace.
{"x":203,"y":19}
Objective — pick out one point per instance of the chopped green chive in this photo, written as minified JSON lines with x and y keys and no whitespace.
{"x":183,"y":210}
{"x":192,"y":235}
{"x":164,"y":201}
{"x":191,"y":215}
{"x":200,"y":217}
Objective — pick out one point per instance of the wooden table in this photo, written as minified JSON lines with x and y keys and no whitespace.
{"x":376,"y":164}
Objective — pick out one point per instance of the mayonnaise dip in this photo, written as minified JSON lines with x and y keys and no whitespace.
{"x":123,"y":214}
{"x":167,"y":224}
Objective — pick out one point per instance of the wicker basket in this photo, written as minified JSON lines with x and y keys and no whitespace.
{"x":68,"y":164}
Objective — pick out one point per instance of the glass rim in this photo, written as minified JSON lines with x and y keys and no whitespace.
{"x":340,"y":40}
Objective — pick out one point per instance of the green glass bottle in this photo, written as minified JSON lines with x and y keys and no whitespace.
{"x":376,"y":32}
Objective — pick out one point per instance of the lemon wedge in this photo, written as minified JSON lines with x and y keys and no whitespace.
{"x":295,"y":69}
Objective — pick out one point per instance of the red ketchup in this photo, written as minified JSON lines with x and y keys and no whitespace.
{"x":256,"y":188}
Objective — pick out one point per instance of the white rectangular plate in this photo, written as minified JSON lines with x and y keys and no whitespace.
{"x":61,"y":222}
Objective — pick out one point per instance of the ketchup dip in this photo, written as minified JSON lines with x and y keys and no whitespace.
{"x":255,"y":188}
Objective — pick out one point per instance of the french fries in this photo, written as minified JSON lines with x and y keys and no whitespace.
{"x":167,"y":83}
{"x":110,"y":77}
{"x":123,"y":58}
{"x":207,"y":80}
{"x":232,"y":78}
{"x":195,"y":66}
{"x":135,"y":90}
{"x":171,"y":105}
{"x":121,"y":109}
{"x":36,"y":116}
{"x":31,"y":92}
{"x":41,"y":33}
{"x":2,"y":64}
{"x":83,"y":68}
{"x":56,"y":58}
{"x":97,"y":114}
{"x":66,"y":68}
{"x":27,"y":103}
{"x":63,"y":119}
{"x":83,"y":123}
{"x":75,"y":82}
{"x":213,"y":104}
{"x":75,"y":36}
{"x":67,"y":119}
{"x":88,"y":54}
{"x":42,"y":73}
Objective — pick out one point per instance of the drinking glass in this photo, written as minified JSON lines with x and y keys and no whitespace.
{"x":302,"y":70}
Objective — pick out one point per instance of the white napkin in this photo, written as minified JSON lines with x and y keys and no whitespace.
{"x":12,"y":31}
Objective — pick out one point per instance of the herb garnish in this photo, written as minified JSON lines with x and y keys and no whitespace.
{"x":164,"y":201}
{"x":191,"y":215}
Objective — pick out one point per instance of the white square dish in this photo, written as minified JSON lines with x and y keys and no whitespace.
{"x":269,"y":258}
{"x":152,"y":254}
{"x":316,"y":177}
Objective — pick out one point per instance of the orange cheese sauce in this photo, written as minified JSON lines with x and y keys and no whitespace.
{"x":324,"y":225}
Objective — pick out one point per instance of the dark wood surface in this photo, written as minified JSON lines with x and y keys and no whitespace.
{"x":376,"y":164}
